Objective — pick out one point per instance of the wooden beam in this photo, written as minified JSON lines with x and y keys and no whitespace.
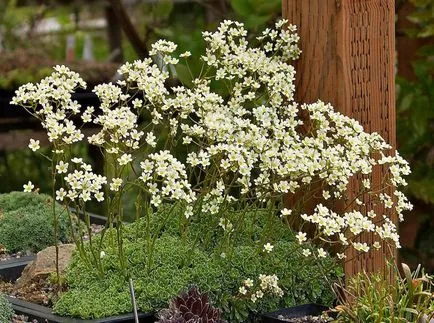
{"x":114,"y":35}
{"x":348,"y":57}
{"x":129,"y":29}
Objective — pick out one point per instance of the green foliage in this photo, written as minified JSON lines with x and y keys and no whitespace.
{"x":219,"y":275}
{"x":423,"y":17}
{"x":26,"y":222}
{"x":6,"y":310}
{"x":415,"y":109}
{"x":17,"y":77}
{"x":256,"y":13}
{"x":375,"y":299}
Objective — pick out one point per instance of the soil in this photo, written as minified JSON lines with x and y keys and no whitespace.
{"x":22,"y":319}
{"x":304,"y":319}
{"x":6,"y":256}
{"x":39,"y":292}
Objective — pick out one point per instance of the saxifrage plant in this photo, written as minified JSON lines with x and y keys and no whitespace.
{"x":245,"y":152}
{"x":230,"y":284}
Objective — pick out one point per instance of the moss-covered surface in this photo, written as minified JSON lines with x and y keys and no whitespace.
{"x":6,"y":310}
{"x":26,"y":222}
{"x":302,"y":279}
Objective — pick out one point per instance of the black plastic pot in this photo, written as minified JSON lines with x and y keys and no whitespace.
{"x":10,"y":270}
{"x":294,"y":312}
{"x":45,"y":315}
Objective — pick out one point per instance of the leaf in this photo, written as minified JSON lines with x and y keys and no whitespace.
{"x":411,"y":310}
{"x":406,"y":102}
{"x":408,"y":277}
{"x":419,"y":17}
{"x":428,"y":31}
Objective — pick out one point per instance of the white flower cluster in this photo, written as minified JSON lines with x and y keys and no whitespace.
{"x":255,"y":143}
{"x":268,"y":284}
{"x":81,"y":184}
{"x":165,"y":178}
{"x":50,"y":101}
{"x":119,"y":134}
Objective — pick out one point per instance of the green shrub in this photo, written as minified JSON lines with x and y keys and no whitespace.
{"x":6,"y":310}
{"x":26,"y":222}
{"x":220,"y":276}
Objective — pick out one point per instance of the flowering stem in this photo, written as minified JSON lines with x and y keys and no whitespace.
{"x":55,"y":223}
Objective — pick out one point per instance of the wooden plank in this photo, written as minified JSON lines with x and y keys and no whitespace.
{"x":348,"y":55}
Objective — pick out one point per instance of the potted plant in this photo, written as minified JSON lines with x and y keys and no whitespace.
{"x":210,"y":173}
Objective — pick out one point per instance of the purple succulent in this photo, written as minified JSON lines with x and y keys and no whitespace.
{"x":191,"y":307}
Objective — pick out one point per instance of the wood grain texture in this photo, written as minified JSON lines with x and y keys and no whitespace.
{"x":348,"y":55}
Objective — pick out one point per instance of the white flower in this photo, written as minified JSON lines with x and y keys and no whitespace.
{"x":62,"y":167}
{"x":28,"y":187}
{"x":285,"y":212}
{"x":376,"y":245}
{"x":150,"y":139}
{"x":268,"y":247}
{"x":185,"y":54}
{"x":115,"y":184}
{"x":248,"y":282}
{"x":301,"y":237}
{"x":60,"y":194}
{"x":125,"y":159}
{"x":341,"y":255}
{"x":361,"y":246}
{"x":253,"y":298}
{"x":259,"y":294}
{"x":242,"y":290}
{"x":99,"y":196}
{"x":34,"y":144}
{"x":102,"y":254}
{"x":77,"y":160}
{"x":322,"y":253}
{"x":306,"y":252}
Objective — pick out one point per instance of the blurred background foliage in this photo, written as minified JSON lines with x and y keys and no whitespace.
{"x":34,"y":35}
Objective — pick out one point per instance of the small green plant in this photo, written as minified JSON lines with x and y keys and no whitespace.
{"x":6,"y":310}
{"x":190,"y":306}
{"x":376,"y":299}
{"x":229,"y":283}
{"x":26,"y":222}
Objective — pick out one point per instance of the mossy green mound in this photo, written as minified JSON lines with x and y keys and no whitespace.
{"x":219,"y":275}
{"x":6,"y":310}
{"x":26,"y":222}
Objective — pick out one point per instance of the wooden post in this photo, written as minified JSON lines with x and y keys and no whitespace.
{"x":348,"y":59}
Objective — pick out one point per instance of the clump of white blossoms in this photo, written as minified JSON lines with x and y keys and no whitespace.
{"x":219,"y":154}
{"x":266,"y":285}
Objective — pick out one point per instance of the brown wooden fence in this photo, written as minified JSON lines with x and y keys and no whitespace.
{"x":348,"y":59}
